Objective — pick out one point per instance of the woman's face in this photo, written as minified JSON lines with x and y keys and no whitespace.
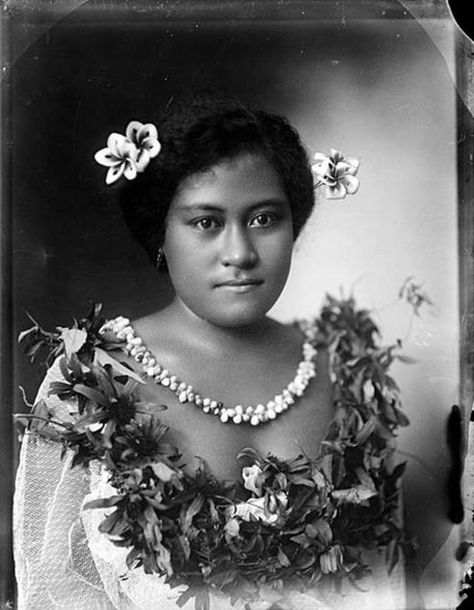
{"x":229,"y":241}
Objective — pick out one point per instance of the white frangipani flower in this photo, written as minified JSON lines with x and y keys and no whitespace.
{"x":145,"y":138}
{"x":337,"y":173}
{"x":130,"y":154}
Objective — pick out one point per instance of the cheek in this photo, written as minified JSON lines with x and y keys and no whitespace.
{"x":187,"y":263}
{"x":277,"y":254}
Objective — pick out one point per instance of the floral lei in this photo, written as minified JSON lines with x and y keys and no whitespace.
{"x":303,"y":523}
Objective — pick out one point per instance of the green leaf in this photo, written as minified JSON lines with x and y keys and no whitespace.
{"x":64,"y":369}
{"x":91,"y":394}
{"x":359,"y":494}
{"x":249,"y":453}
{"x":158,"y":505}
{"x":365,"y":478}
{"x":298,"y":480}
{"x":103,"y":358}
{"x":365,"y":431}
{"x":401,"y":417}
{"x":392,"y":555}
{"x":320,"y":529}
{"x":133,"y":557}
{"x":104,"y":502}
{"x":191,"y":511}
{"x":32,"y":351}
{"x":59,"y":387}
{"x":25,"y":333}
{"x":301,"y":539}
{"x":110,"y":523}
{"x":186,"y":596}
{"x":283,"y":559}
{"x":391,"y":384}
{"x":303,"y":564}
{"x":406,"y":359}
{"x":398,"y":471}
{"x":186,"y":547}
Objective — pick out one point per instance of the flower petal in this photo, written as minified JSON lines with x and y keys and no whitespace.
{"x":142,"y":160}
{"x":318,"y":157}
{"x":98,"y":425}
{"x":105,"y":157}
{"x":130,"y":171}
{"x":322,"y":168}
{"x":163,"y":472}
{"x":252,"y":479}
{"x":114,"y":173}
{"x":338,"y":191}
{"x":127,"y":149}
{"x":351,"y":184}
{"x":343,"y":168}
{"x":232,"y":528}
{"x":353,"y":162}
{"x":132,"y":131}
{"x":147,"y":131}
{"x":152,"y":145}
{"x":113,"y":142}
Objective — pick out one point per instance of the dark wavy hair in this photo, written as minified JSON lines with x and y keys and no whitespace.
{"x":201,"y":130}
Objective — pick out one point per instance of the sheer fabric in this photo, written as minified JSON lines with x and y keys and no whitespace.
{"x":63,"y":562}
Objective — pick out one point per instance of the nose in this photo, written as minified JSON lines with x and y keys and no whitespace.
{"x":238,"y":249}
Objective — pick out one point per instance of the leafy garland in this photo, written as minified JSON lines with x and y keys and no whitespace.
{"x":301,"y":524}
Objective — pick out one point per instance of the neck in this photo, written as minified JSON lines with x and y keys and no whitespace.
{"x":217,"y":338}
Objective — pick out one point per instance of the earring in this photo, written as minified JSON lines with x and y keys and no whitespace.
{"x":160,"y":258}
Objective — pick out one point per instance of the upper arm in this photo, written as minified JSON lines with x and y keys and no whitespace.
{"x":53,"y":564}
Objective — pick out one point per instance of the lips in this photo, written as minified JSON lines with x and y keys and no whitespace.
{"x":240,"y":282}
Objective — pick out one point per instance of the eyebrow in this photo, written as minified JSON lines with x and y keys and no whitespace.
{"x":212,"y":207}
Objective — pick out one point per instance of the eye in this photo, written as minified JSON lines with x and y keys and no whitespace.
{"x":206,"y":224}
{"x":263,"y":220}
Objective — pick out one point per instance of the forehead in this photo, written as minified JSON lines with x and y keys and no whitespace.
{"x":244,"y":180}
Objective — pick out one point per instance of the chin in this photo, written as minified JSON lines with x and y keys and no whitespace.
{"x":238,"y":317}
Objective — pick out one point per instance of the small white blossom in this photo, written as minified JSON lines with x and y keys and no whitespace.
{"x":369,"y":391}
{"x":331,"y":560}
{"x":163,"y":472}
{"x":337,"y":173}
{"x":145,"y":138}
{"x":262,"y":509}
{"x":74,"y":339}
{"x":232,"y":527}
{"x":127,"y":155}
{"x":95,"y":427}
{"x":252,"y":479}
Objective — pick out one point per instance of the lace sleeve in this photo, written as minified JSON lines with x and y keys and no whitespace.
{"x":53,"y":564}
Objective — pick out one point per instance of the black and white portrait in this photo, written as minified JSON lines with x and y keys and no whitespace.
{"x":237,"y":305}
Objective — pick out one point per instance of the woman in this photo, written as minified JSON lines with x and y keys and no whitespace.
{"x":217,"y":201}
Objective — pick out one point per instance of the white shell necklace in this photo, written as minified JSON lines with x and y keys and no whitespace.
{"x":254,"y":415}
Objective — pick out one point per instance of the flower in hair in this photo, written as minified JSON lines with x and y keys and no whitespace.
{"x":337,"y":173}
{"x":129,"y":154}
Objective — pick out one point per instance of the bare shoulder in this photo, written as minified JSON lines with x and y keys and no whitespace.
{"x":156,"y":329}
{"x":294,"y":333}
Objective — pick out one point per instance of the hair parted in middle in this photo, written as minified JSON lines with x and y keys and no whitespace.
{"x":199,"y":131}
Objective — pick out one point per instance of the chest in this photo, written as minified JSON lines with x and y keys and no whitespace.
{"x":202,"y":435}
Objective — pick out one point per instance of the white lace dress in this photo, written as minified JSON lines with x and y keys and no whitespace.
{"x":63,"y":562}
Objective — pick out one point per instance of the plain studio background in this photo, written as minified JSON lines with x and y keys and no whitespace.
{"x":372,"y":85}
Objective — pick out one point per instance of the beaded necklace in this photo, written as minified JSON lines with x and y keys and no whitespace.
{"x":253,"y":414}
